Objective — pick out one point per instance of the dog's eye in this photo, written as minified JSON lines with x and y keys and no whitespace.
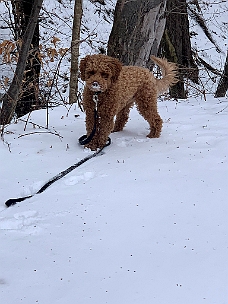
{"x":104,"y":75}
{"x":91,"y":73}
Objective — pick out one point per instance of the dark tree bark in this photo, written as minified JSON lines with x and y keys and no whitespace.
{"x":223,"y":82}
{"x":28,"y":97}
{"x":176,"y":45}
{"x":137,"y":30}
{"x":11,"y":97}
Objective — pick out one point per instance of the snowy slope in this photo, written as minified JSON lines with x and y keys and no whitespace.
{"x":144,"y":223}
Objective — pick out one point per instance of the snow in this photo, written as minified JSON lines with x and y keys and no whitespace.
{"x":144,"y":223}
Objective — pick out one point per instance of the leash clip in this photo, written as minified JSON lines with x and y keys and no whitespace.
{"x":95,"y":99}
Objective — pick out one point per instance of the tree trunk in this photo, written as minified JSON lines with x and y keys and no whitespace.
{"x":137,"y":30}
{"x":75,"y":51}
{"x":223,"y":82}
{"x":11,"y":97}
{"x":176,"y":45}
{"x":28,"y":97}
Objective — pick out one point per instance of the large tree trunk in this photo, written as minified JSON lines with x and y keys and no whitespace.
{"x":75,"y":51}
{"x":176,"y":45}
{"x":137,"y":30}
{"x":28,"y":97}
{"x":223,"y":82}
{"x":11,"y":97}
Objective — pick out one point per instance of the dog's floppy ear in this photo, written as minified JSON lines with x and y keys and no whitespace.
{"x":116,"y":67}
{"x":82,"y":67}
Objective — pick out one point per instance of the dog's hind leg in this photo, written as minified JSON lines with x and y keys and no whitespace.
{"x":146,"y":102}
{"x":122,"y":117}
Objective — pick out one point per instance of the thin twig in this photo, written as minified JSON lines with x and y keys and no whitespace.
{"x":40,"y":127}
{"x":49,"y":132}
{"x":222,"y":110}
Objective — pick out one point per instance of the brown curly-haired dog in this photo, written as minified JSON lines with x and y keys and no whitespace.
{"x":119,"y":88}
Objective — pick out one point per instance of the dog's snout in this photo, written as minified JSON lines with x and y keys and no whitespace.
{"x":95,"y":86}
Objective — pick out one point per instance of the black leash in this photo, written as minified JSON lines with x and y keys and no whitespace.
{"x":13,"y":201}
{"x":83,"y":140}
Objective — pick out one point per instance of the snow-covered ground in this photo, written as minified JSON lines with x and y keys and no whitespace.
{"x":144,"y":223}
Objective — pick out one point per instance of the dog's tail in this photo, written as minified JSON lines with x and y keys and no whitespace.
{"x":169,"y":73}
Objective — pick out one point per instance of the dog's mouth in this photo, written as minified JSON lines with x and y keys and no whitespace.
{"x":95,"y":86}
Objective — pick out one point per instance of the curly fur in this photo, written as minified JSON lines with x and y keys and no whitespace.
{"x":120,"y":88}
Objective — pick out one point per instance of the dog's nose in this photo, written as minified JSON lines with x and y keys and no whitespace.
{"x":95,"y":86}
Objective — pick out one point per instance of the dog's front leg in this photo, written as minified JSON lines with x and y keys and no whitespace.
{"x":104,"y":122}
{"x":89,"y":108}
{"x":105,"y":127}
{"x":90,"y":126}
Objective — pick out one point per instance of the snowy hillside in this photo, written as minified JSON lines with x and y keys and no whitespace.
{"x":144,"y":223}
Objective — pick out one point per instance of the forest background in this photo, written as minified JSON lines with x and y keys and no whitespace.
{"x":48,"y":71}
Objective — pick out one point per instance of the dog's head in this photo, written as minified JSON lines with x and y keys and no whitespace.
{"x":99,"y":71}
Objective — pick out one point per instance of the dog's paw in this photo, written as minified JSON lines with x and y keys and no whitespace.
{"x":91,"y":148}
{"x":117,"y":129}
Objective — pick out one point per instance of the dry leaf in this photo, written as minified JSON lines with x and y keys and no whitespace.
{"x":55,"y":40}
